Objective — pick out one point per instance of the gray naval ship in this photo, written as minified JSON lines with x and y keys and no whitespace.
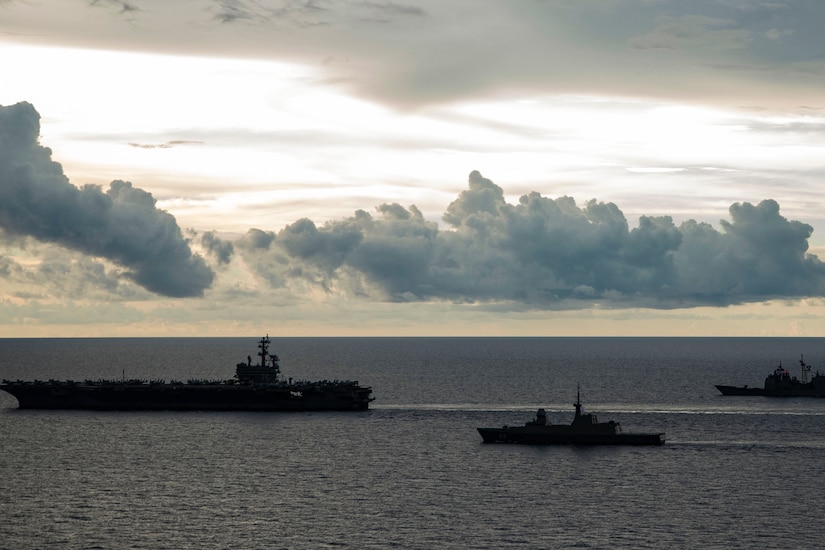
{"x":254,"y":388}
{"x":780,"y":383}
{"x":584,"y":430}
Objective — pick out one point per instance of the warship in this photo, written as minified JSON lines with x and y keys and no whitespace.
{"x":780,"y":383}
{"x":254,"y":388}
{"x":584,"y":430}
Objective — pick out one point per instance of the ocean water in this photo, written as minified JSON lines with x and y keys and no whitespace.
{"x":412,"y":473}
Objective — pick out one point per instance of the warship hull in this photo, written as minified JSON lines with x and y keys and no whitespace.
{"x":552,"y":437}
{"x":739,"y":390}
{"x":803,"y":391}
{"x":187,"y":398}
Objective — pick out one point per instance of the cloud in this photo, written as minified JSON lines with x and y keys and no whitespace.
{"x":760,"y":254}
{"x":51,"y":273}
{"x":411,"y":55}
{"x":231,"y":11}
{"x":221,"y":249}
{"x":120,"y":5}
{"x":166,"y":145}
{"x":122,"y":224}
{"x":693,"y":32}
{"x":545,"y":253}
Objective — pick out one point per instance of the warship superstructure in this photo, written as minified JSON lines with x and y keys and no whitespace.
{"x":780,"y":383}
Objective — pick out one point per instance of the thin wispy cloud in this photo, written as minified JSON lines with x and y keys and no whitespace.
{"x":166,"y":145}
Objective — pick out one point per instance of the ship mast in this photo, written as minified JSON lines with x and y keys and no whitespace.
{"x":264,"y":347}
{"x":805,"y":369}
{"x":578,"y":403}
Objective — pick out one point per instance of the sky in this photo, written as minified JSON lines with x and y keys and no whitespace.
{"x":372,"y":168}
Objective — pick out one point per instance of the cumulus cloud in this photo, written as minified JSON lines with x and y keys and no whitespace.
{"x":121,"y":224}
{"x":543,"y":252}
{"x":221,"y":249}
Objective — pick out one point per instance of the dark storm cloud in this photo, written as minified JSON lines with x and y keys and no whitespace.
{"x":121,"y":224}
{"x":760,"y":253}
{"x":255,"y":239}
{"x":221,"y":249}
{"x":546,"y":253}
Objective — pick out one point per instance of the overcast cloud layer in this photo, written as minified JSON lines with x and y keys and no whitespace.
{"x":121,"y":224}
{"x":730,"y":51}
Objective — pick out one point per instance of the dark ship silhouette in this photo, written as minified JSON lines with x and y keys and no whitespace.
{"x":584,"y":430}
{"x":780,"y":383}
{"x":254,"y":388}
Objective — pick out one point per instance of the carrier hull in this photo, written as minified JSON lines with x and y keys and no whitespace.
{"x":188,"y":398}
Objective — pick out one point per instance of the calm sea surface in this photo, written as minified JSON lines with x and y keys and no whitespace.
{"x":736,"y":472}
